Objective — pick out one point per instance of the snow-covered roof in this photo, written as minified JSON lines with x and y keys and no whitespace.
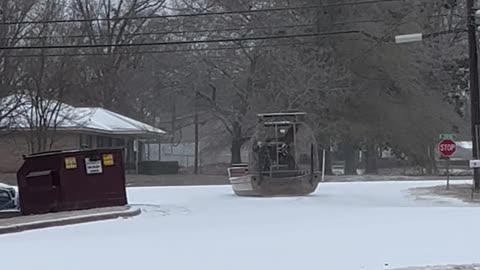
{"x":2,"y":185}
{"x":464,"y":144}
{"x":100,"y":119}
{"x":76,"y":119}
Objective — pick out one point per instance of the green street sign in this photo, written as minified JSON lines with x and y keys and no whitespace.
{"x":447,"y":136}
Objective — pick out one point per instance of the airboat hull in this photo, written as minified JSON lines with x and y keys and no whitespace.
{"x":251,"y":185}
{"x":283,"y":158}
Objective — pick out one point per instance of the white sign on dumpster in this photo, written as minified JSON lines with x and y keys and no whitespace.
{"x":474,"y":164}
{"x":93,"y":166}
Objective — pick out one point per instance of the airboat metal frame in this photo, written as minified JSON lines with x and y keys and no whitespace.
{"x":269,"y":176}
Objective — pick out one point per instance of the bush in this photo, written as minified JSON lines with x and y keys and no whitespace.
{"x":158,"y":167}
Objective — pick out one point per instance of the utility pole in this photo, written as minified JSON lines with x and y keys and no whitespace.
{"x":196,"y":134}
{"x":473,"y":22}
{"x":474,"y":88}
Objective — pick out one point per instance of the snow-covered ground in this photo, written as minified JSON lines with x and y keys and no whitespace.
{"x":343,"y":226}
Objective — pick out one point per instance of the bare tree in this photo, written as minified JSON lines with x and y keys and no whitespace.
{"x":102,"y":74}
{"x":363,"y":91}
{"x":45,"y":83}
{"x":10,"y":73}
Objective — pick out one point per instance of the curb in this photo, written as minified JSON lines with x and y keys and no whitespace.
{"x":440,"y":178}
{"x":68,"y":221}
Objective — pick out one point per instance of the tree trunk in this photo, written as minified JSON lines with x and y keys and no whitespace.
{"x":328,"y":162}
{"x":371,"y":158}
{"x":236,"y":151}
{"x":237,"y":142}
{"x":350,"y":160}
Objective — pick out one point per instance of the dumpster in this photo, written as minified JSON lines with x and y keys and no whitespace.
{"x":71,"y":180}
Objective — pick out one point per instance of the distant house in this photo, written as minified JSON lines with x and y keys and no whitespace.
{"x":74,"y":128}
{"x":464,"y":150}
{"x":214,"y":144}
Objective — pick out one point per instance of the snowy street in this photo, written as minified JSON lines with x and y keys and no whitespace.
{"x":343,"y":226}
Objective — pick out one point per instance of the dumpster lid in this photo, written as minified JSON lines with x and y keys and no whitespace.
{"x":71,"y":151}
{"x":39,"y":173}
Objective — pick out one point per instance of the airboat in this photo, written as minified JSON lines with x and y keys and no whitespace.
{"x":283,"y":158}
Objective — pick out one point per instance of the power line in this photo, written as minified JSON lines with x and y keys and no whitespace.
{"x":207,"y":41}
{"x":237,"y":12}
{"x":162,"y":51}
{"x":211,"y":30}
{"x":167,"y":32}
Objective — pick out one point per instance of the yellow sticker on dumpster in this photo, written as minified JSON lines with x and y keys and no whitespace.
{"x":70,"y":163}
{"x":108,"y":160}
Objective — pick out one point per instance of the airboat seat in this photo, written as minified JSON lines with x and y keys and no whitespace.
{"x":279,"y":167}
{"x":282,"y":170}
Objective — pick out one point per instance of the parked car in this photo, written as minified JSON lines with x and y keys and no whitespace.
{"x":8,"y":197}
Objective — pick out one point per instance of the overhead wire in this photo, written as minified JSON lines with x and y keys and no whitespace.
{"x":179,"y":32}
{"x":206,"y":41}
{"x":162,"y":51}
{"x":163,"y":32}
{"x":236,"y":12}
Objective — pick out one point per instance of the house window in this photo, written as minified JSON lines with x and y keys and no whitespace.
{"x":99,"y":141}
{"x":118,"y":142}
{"x":104,"y":141}
{"x":85,"y":141}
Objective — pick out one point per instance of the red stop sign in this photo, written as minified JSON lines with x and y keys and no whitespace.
{"x":447,"y":148}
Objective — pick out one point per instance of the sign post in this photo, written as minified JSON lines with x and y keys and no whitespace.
{"x":448,"y":173}
{"x":447,"y":148}
{"x":324,"y":156}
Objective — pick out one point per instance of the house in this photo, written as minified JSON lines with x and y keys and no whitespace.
{"x":58,"y":126}
{"x":214,"y":142}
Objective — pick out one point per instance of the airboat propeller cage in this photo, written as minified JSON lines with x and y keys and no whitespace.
{"x":283,"y":158}
{"x":290,"y":142}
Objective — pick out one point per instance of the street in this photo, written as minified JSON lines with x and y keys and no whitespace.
{"x":376,"y":225}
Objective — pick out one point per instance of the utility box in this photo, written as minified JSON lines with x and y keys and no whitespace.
{"x":71,"y":180}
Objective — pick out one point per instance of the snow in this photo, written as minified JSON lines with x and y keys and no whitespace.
{"x":2,"y":185}
{"x":105,"y":120}
{"x":374,"y":225}
{"x":66,"y":217}
{"x":73,"y":118}
{"x":464,"y":144}
{"x":446,"y":267}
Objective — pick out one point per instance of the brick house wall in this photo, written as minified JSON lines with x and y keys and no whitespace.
{"x":13,"y":146}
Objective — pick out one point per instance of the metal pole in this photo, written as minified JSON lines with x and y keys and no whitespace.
{"x":137,"y":154}
{"x":294,"y":149}
{"x":276,"y":145}
{"x":474,"y":88}
{"x":324,"y":155}
{"x":196,"y":137}
{"x":448,"y":173}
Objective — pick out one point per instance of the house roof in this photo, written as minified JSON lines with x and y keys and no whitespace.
{"x":102,"y":120}
{"x":91,"y":119}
